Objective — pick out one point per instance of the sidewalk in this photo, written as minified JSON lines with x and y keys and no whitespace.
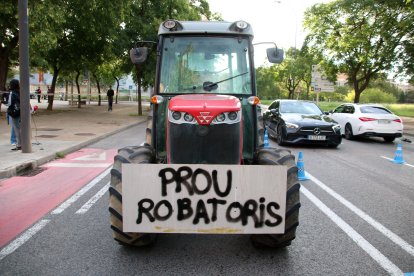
{"x":64,"y":130}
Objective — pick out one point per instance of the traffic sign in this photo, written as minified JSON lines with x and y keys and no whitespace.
{"x":319,"y":81}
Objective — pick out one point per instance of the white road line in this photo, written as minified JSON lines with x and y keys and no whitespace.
{"x":78,"y":165}
{"x":401,"y":164}
{"x":80,"y":193}
{"x":15,"y":244}
{"x":85,"y":208}
{"x":378,"y":226}
{"x":383,"y":261}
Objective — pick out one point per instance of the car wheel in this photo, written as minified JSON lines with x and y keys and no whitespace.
{"x":389,"y":139}
{"x":279,"y":138}
{"x":348,"y":132}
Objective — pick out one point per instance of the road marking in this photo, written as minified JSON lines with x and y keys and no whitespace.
{"x":79,"y":165}
{"x":80,"y":193}
{"x":378,"y":226}
{"x":401,"y":164}
{"x":383,"y":261}
{"x":15,"y":244}
{"x":96,"y":156}
{"x":85,"y":208}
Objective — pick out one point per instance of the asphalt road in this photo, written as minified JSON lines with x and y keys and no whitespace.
{"x":356,"y":219}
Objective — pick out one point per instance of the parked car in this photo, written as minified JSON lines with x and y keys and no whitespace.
{"x":294,"y":122}
{"x":369,"y":120}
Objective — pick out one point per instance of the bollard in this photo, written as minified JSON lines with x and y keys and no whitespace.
{"x":301,"y":168}
{"x":266,"y":139}
{"x":398,"y":158}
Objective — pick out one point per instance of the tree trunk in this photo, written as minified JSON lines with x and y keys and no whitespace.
{"x":117,"y":90}
{"x":4,"y":68}
{"x":78,"y":87}
{"x":52,"y":88}
{"x":139,"y":97}
{"x":357,"y":93}
{"x":67,"y":90}
{"x":99,"y":88}
{"x":5,"y":62}
{"x":139,"y":78}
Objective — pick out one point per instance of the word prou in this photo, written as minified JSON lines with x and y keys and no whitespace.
{"x":261,"y":213}
{"x":184,"y":176}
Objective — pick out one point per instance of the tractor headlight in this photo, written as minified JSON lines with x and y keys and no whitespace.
{"x":188,"y":117}
{"x":221,"y":117}
{"x":176,"y":115}
{"x":232,"y":115}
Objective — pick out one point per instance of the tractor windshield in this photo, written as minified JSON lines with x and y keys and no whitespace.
{"x":205,"y":64}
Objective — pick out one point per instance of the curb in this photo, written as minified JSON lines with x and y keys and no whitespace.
{"x":32,"y":164}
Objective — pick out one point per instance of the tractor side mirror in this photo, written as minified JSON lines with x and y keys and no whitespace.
{"x":274,"y":55}
{"x":138,"y":55}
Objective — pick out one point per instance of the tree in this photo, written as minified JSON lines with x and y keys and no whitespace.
{"x":361,"y":37}
{"x":9,"y":38}
{"x":291,"y":72}
{"x":266,"y":81}
{"x":74,"y":35}
{"x":142,"y":19}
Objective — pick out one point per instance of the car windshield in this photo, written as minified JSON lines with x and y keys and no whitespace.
{"x":300,"y":108}
{"x":374,"y":110}
{"x":203,"y":64}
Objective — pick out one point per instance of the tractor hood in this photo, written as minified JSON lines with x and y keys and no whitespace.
{"x":204,"y":107}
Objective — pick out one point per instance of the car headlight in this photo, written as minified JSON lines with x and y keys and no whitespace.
{"x":336,"y":128}
{"x":292,"y":126}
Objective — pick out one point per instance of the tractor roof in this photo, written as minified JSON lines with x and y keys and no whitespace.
{"x":205,"y":27}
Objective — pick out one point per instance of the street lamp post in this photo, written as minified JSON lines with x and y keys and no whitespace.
{"x":24,"y":77}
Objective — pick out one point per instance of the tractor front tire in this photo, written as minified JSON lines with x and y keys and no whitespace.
{"x":272,"y":156}
{"x":136,"y":155}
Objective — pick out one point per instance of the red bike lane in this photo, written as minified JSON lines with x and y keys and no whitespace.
{"x":26,"y":199}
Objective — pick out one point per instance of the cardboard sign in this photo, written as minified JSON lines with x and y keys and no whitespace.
{"x":178,"y":198}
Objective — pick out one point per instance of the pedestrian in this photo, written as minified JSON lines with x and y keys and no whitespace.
{"x":110,"y":95}
{"x":6,"y":100}
{"x":38,"y":93}
{"x":14,"y":111}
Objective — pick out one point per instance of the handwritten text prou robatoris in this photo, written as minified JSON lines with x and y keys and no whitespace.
{"x":186,"y":181}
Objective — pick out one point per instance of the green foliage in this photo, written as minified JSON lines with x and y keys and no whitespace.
{"x":361,"y":38}
{"x":406,"y":110}
{"x":267,"y":86}
{"x":60,"y":155}
{"x":373,"y":95}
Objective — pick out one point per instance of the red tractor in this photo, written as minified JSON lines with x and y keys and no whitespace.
{"x":205,"y":128}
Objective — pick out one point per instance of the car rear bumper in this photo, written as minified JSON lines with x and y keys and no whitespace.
{"x":378,"y":134}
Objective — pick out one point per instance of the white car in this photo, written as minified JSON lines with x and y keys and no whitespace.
{"x":370,"y":120}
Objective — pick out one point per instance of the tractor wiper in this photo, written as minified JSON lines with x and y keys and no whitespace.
{"x":209,"y":86}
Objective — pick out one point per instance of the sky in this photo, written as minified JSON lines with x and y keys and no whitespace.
{"x":278,"y":21}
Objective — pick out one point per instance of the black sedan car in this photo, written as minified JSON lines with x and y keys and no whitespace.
{"x":300,"y":122}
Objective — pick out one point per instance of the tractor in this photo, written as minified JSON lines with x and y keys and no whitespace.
{"x":204,"y":123}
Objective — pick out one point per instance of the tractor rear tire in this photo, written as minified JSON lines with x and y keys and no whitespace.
{"x":136,"y":155}
{"x":272,"y":156}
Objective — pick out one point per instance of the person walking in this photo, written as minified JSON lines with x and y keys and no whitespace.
{"x":14,"y":111}
{"x":38,"y":93}
{"x":110,"y":95}
{"x":6,"y":101}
